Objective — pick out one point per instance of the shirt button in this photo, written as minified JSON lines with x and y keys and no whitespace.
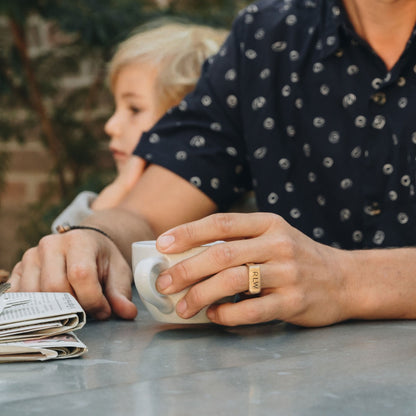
{"x":372,"y":209}
{"x":379,"y":98}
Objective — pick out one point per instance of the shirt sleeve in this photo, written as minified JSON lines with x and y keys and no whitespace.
{"x":76,"y":211}
{"x":201,"y":139}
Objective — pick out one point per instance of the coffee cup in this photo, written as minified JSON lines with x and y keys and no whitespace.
{"x":147,"y":264}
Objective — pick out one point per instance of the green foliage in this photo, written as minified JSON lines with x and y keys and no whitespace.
{"x":38,"y":101}
{"x":217,"y":13}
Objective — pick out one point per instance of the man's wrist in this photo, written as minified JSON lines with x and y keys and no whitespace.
{"x":65,"y":228}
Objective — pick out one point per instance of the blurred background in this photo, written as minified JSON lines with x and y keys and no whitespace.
{"x":54,"y":101}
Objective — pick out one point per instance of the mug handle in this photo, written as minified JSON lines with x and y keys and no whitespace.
{"x":145,"y":275}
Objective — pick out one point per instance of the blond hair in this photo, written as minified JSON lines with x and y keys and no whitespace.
{"x":177,"y":51}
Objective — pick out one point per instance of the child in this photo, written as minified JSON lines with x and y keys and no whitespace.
{"x":150,"y":72}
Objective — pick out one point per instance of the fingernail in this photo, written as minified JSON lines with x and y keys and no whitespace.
{"x":163,"y":282}
{"x":164,"y":241}
{"x":181,"y":307}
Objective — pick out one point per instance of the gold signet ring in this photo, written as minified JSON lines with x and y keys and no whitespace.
{"x":254,"y":278}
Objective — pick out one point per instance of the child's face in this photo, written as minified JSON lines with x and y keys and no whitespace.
{"x":136,"y":110}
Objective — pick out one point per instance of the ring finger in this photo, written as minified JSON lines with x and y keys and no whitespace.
{"x":222,"y":285}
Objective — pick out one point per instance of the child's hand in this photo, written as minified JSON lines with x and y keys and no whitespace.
{"x":113,"y":193}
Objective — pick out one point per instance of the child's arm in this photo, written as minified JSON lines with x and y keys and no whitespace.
{"x":113,"y":193}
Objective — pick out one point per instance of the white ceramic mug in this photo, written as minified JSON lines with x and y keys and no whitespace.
{"x":147,"y":264}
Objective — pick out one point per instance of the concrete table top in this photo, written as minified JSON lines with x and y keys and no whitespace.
{"x":143,"y":367}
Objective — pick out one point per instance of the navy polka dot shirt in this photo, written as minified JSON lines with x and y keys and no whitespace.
{"x":298,"y":108}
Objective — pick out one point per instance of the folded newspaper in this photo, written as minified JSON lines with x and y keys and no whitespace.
{"x":39,"y":326}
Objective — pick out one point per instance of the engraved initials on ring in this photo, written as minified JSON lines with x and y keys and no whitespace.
{"x":254,"y":278}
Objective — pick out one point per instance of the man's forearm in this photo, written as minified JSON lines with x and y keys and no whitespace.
{"x":381,"y":284}
{"x":122,"y":226}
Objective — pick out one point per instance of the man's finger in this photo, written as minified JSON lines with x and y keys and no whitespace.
{"x":118,"y":290}
{"x":249,"y":311}
{"x":212,"y":228}
{"x":84,"y":277}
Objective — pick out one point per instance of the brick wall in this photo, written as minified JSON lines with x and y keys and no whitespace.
{"x":29,"y":169}
{"x":29,"y":165}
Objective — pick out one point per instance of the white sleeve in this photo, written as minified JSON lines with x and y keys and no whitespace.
{"x":76,"y":211}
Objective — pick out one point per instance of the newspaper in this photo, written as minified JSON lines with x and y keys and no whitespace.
{"x":42,"y":328}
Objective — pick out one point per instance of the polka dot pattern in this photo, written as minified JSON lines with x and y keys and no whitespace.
{"x":300,"y":110}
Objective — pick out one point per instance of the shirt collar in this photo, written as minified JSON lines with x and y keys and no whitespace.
{"x":334,"y":23}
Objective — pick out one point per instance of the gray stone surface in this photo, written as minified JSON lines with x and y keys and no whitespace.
{"x":145,"y":368}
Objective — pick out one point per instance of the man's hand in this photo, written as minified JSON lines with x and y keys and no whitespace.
{"x":84,"y":263}
{"x":90,"y":265}
{"x":302,"y":280}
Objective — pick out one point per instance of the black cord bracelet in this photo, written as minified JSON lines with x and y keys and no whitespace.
{"x":65,"y":228}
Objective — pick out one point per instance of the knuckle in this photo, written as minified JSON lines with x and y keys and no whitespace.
{"x":223,"y":318}
{"x":78,"y":273}
{"x":295,"y":306}
{"x":223,"y":254}
{"x":190,"y":231}
{"x":276,"y":219}
{"x":298,"y":301}
{"x":291,"y":273}
{"x":46,"y":241}
{"x":223,"y":222}
{"x":195,"y":297}
{"x":233,"y":281}
{"x":285,"y":246}
{"x":288,"y":248}
{"x":181,"y":270}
